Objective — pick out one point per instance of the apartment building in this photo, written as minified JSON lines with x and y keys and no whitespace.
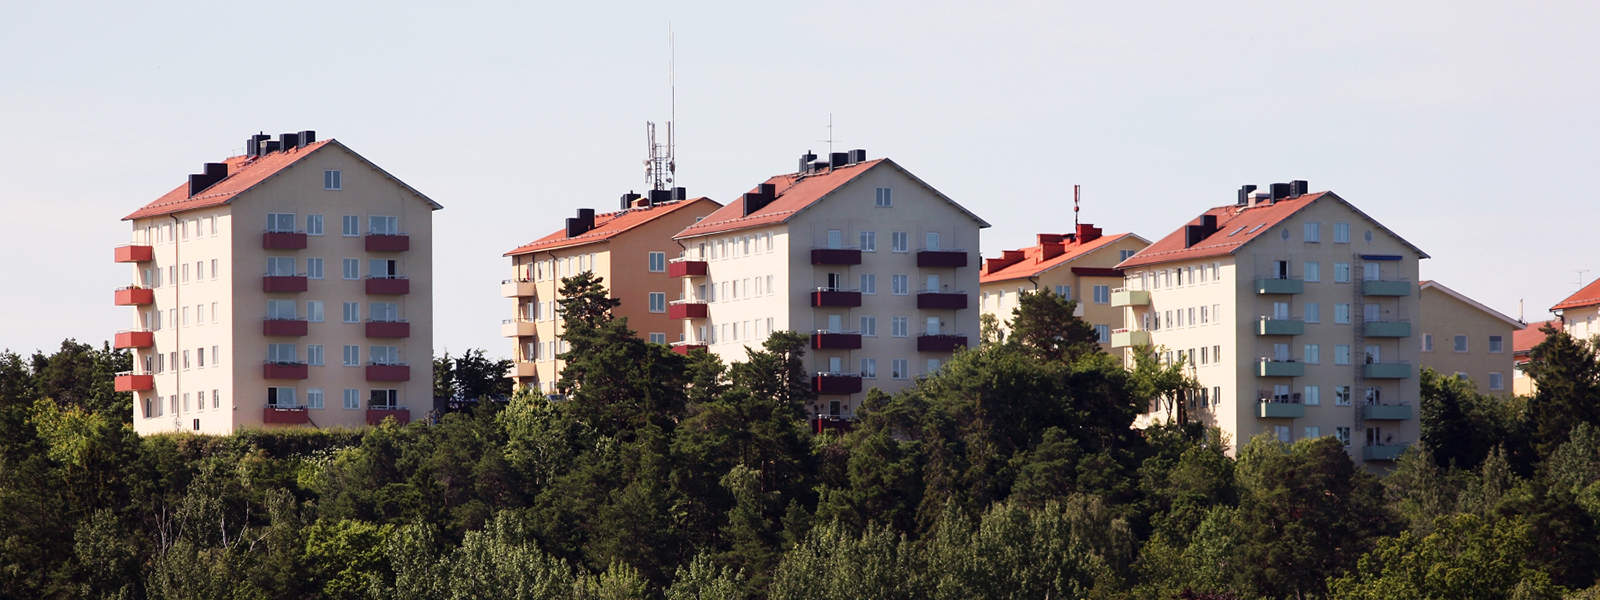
{"x":1522,"y":343}
{"x":1293,"y":311}
{"x":1466,"y":339}
{"x":876,"y":266}
{"x":628,"y":249}
{"x":1080,"y":266}
{"x":290,"y":285}
{"x":1579,"y":312}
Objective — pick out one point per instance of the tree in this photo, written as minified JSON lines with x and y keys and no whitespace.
{"x":1460,"y":425}
{"x":1466,"y":557}
{"x":1567,"y":372}
{"x":1044,"y":324}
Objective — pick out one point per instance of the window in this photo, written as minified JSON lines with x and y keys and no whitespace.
{"x":1103,"y":332}
{"x":1341,"y":395}
{"x":1313,"y":271}
{"x":899,"y":241}
{"x":351,"y":268}
{"x":280,"y":222}
{"x":350,"y":226}
{"x":314,"y":311}
{"x":658,"y":338}
{"x":899,"y":284}
{"x":1342,"y":434}
{"x":281,"y":310}
{"x":1496,"y":381}
{"x":383,"y":355}
{"x":387,"y":312}
{"x":281,"y":397}
{"x":1341,"y":354}
{"x":1313,"y":312}
{"x":313,"y":355}
{"x":1427,"y":342}
{"x":1341,"y":272}
{"x":869,"y":368}
{"x":897,"y":368}
{"x":869,"y":283}
{"x":1341,"y":233}
{"x":280,"y":266}
{"x":199,"y":270}
{"x":1102,"y":294}
{"x":1341,"y":313}
{"x":216,"y":398}
{"x":313,"y":224}
{"x":883,"y":199}
{"x":282,"y":353}
{"x":658,"y":302}
{"x":384,"y":399}
{"x":352,"y":399}
{"x":869,"y":241}
{"x":1313,"y":353}
{"x":1282,"y":433}
{"x":352,"y":312}
{"x":869,"y":326}
{"x":932,"y":366}
{"x":383,"y":268}
{"x":216,"y":355}
{"x":1461,"y":343}
{"x":314,"y":268}
{"x":200,"y":357}
{"x":899,"y":326}
{"x":1312,"y":432}
{"x":1064,"y":291}
{"x":1313,"y":395}
{"x":1496,"y":344}
{"x":330,"y":180}
{"x":1126,"y":254}
{"x":1313,"y":232}
{"x":835,"y":238}
{"x":658,"y":262}
{"x":213,"y":268}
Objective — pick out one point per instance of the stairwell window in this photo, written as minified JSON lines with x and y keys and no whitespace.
{"x":869,"y":326}
{"x":1460,"y":343}
{"x":658,"y":302}
{"x":331,"y":180}
{"x":352,"y":356}
{"x":899,"y":326}
{"x":1341,"y":233}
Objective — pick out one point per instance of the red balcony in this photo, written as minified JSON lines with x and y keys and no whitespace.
{"x":134,"y":253}
{"x":283,"y":240}
{"x":835,"y":340}
{"x":388,"y":286}
{"x":401,"y":415}
{"x":128,"y":382}
{"x":388,"y":329}
{"x":835,"y":298}
{"x":686,"y":310}
{"x":134,"y":296}
{"x":284,"y":327}
{"x":283,"y":284}
{"x":273,"y":415}
{"x":686,"y":268}
{"x":836,"y":383}
{"x":685,"y":349}
{"x":388,"y":372}
{"x":835,"y":256}
{"x":941,"y":300}
{"x":942,"y":258}
{"x":940,"y":342}
{"x":383,"y":242}
{"x":134,"y":339}
{"x":273,"y":370}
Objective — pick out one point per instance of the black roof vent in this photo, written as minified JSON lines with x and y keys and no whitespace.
{"x":1299,"y":187}
{"x":679,"y":193}
{"x":659,"y":197}
{"x":819,"y":165}
{"x":288,"y":141}
{"x":580,"y":224}
{"x":270,"y":146}
{"x":627,"y":200}
{"x":252,"y":144}
{"x":1279,"y":191}
{"x":1244,"y":194}
{"x":839,"y":159}
{"x":1194,"y":234}
{"x":806,"y":161}
{"x":760,"y":198}
{"x":858,"y":156}
{"x":214,"y":172}
{"x":574,"y":227}
{"x":307,"y":137}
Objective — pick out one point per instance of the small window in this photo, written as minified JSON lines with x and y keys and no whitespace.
{"x":869,"y":326}
{"x":658,"y":302}
{"x":350,"y":226}
{"x":1427,"y":342}
{"x":897,"y":368}
{"x":314,"y":399}
{"x":1257,"y":227}
{"x":899,"y":284}
{"x":1496,"y":344}
{"x":899,"y":326}
{"x":1236,"y":231}
{"x":352,"y":312}
{"x":884,"y":198}
{"x":658,"y":338}
{"x":314,"y":268}
{"x":1313,"y":232}
{"x":1102,"y":294}
{"x":1460,"y":343}
{"x":658,"y":262}
{"x":899,"y":241}
{"x":352,"y":356}
{"x":352,"y":268}
{"x":869,"y":368}
{"x":1341,"y":233}
{"x":313,"y":224}
{"x":330,"y":180}
{"x":314,"y":355}
{"x":869,"y":241}
{"x":1496,"y":381}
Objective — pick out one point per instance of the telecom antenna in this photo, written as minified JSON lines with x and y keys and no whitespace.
{"x":1075,"y":189}
{"x":662,"y":165}
{"x":1580,"y":276}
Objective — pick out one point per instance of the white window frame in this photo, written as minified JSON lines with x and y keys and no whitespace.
{"x":332,"y":180}
{"x":658,"y":261}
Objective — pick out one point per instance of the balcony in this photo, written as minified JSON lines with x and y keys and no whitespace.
{"x":1383,"y":452}
{"x":940,"y":342}
{"x":835,"y":256}
{"x":835,"y":298}
{"x":1376,"y":287}
{"x":284,"y":370}
{"x":1386,"y":412}
{"x":1121,"y":297}
{"x":283,"y":284}
{"x":836,"y":383}
{"x":941,"y":300}
{"x":376,"y":414}
{"x":283,"y":240}
{"x":1280,"y":327}
{"x":836,"y":340}
{"x":389,"y":372}
{"x":1386,"y":329}
{"x":516,"y":288}
{"x":388,"y":242}
{"x":134,"y":253}
{"x":288,"y":415}
{"x":128,"y":382}
{"x":284,"y":327}
{"x":1391,"y":370}
{"x":686,"y":309}
{"x":1123,"y":338}
{"x":685,"y":348}
{"x":1265,"y":286}
{"x":684,"y":267}
{"x":517,"y":328}
{"x":1280,"y":410}
{"x":388,"y":329}
{"x":388,"y":286}
{"x":1280,"y":368}
{"x":134,"y":339}
{"x":134,"y":296}
{"x":941,"y":258}
{"x":523,"y":368}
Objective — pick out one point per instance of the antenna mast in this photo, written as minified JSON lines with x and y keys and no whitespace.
{"x":661,"y":167}
{"x":1075,"y":196}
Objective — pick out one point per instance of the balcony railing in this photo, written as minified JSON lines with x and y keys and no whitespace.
{"x":139,"y":338}
{"x":1280,"y":368}
{"x":516,"y":288}
{"x":826,"y":297}
{"x":687,"y":267}
{"x":134,"y":296}
{"x":686,"y":309}
{"x":1386,"y":329}
{"x":388,"y":242}
{"x":835,"y":256}
{"x":1280,"y":409}
{"x":1124,"y":338}
{"x":283,"y":240}
{"x":1271,"y":285}
{"x":1382,"y":452}
{"x":1384,"y":287}
{"x":376,"y":415}
{"x":388,"y":372}
{"x":518,"y":328}
{"x":1273,"y":326}
{"x":284,"y":370}
{"x":134,"y":253}
{"x":284,"y":327}
{"x":1386,"y":412}
{"x":388,"y":329}
{"x":836,"y":383}
{"x":1121,"y":297}
{"x":940,"y":342}
{"x":127,"y":381}
{"x":836,"y":340}
{"x":685,"y":348}
{"x":283,"y":284}
{"x":941,"y":299}
{"x":1386,"y":370}
{"x":285,"y":415}
{"x":942,"y":258}
{"x":388,"y":286}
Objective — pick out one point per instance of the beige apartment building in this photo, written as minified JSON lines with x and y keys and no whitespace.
{"x":1294,"y":312}
{"x":1080,"y":266}
{"x":627,"y":249}
{"x":876,"y":266}
{"x":1466,"y":339}
{"x":1522,"y":343}
{"x":291,"y":285}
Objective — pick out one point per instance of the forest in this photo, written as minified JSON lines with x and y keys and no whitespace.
{"x":1011,"y":473}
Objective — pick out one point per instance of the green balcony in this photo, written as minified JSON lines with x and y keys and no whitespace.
{"x":1384,"y":452}
{"x":1280,"y":327}
{"x":1390,"y":370}
{"x":1386,"y":329}
{"x":1280,"y":286}
{"x":1385,"y":288}
{"x":1124,"y":339}
{"x":1121,"y":298}
{"x":1280,"y":368}
{"x":1386,"y":412}
{"x":1280,"y":410}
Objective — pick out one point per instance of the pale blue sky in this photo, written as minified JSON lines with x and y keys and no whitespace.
{"x":1469,"y":128}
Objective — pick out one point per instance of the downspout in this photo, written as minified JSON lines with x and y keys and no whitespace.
{"x":177,"y":329}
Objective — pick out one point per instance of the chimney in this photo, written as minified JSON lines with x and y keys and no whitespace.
{"x":252,"y":145}
{"x":307,"y":137}
{"x":214,"y":172}
{"x":806,"y":161}
{"x":1279,"y":192}
{"x":858,"y":155}
{"x":269,"y":146}
{"x":1259,"y":198}
{"x":1051,"y":249}
{"x":1087,"y":233}
{"x":1298,"y":188}
{"x":1194,"y":234}
{"x":659,"y":196}
{"x":839,"y":159}
{"x":1244,"y":194}
{"x":627,"y":200}
{"x":288,"y":141}
{"x":586,"y":217}
{"x":679,"y":193}
{"x":574,"y":228}
{"x":763,"y":195}
{"x":1050,"y":238}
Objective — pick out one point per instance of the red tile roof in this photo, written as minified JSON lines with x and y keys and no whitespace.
{"x":1588,"y":296}
{"x":794,"y":193}
{"x":1524,"y":340}
{"x":606,"y":226}
{"x":1033,"y":261}
{"x":1236,"y":226}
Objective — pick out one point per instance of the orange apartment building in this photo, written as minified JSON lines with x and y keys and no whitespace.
{"x":290,"y":285}
{"x":1080,"y":266}
{"x":628,"y":249}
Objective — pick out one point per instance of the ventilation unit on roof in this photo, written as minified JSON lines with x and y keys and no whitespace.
{"x":627,"y":200}
{"x":1244,"y":194}
{"x":214,"y":172}
{"x":1194,"y":234}
{"x":807,"y":162}
{"x":580,"y":224}
{"x":838,"y":159}
{"x":763,"y":195}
